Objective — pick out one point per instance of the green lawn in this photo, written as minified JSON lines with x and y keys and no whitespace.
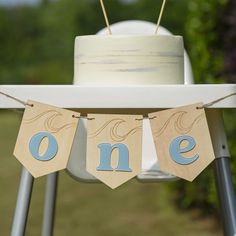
{"x":93,"y":209}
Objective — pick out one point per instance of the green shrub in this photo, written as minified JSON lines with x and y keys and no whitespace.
{"x":205,"y":33}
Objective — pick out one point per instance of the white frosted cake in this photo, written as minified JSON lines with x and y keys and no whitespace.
{"x":128,"y":59}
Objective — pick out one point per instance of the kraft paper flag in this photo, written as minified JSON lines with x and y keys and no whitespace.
{"x":45,"y":138}
{"x":182,"y":140}
{"x":114,"y":147}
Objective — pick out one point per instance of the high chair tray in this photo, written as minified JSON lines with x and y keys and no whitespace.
{"x":145,"y":96}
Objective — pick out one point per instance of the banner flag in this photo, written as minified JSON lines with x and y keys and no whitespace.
{"x":45,"y":138}
{"x":182,"y":140}
{"x":114,"y":147}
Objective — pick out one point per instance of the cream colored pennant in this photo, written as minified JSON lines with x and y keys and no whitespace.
{"x":114,"y":147}
{"x":45,"y":138}
{"x":182,"y":140}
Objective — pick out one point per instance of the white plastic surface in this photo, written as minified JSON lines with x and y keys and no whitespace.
{"x":158,"y":96}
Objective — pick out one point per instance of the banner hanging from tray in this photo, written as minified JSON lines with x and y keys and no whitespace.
{"x":114,"y":142}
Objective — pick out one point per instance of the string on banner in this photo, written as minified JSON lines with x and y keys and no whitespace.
{"x":16,"y":99}
{"x":206,"y":105}
{"x":209,"y":104}
{"x":215,"y":101}
{"x":84,"y":117}
{"x":23,"y":102}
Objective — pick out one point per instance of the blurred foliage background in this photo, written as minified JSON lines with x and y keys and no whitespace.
{"x":37,"y":44}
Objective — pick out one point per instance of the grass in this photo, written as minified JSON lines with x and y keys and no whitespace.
{"x":93,"y":209}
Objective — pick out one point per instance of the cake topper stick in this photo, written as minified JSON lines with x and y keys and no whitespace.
{"x":105,"y":16}
{"x":160,"y":15}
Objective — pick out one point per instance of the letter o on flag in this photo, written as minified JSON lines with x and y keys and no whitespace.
{"x":52,"y":148}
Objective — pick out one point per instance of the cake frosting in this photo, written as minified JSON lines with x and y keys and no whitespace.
{"x":128,"y":60}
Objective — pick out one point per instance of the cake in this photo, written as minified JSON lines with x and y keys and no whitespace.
{"x":128,"y":60}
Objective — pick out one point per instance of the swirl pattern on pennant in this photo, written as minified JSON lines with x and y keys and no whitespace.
{"x":179,"y":125}
{"x":50,"y":117}
{"x":113,"y":126}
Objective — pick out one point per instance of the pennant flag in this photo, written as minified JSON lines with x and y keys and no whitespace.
{"x":182,"y":140}
{"x":114,"y":147}
{"x":45,"y":138}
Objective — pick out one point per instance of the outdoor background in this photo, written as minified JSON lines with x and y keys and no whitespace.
{"x":36,"y":47}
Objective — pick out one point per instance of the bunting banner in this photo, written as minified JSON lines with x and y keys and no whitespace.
{"x":114,"y":147}
{"x":114,"y":142}
{"x":182,"y":140}
{"x":45,"y":138}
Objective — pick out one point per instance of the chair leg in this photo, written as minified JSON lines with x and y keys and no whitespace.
{"x":22,"y":204}
{"x":226,"y":195}
{"x":49,"y":205}
{"x":223,"y":175}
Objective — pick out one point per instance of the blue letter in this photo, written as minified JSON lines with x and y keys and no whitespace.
{"x":105,"y":157}
{"x":35,"y":144}
{"x":175,"y":150}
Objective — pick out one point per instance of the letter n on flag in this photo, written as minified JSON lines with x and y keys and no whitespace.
{"x":114,"y":147}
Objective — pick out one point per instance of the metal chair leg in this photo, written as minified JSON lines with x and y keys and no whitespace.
{"x":226,"y":195}
{"x":22,"y":205}
{"x":49,"y":205}
{"x":223,"y":175}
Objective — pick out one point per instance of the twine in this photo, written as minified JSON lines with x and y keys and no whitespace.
{"x":16,"y":99}
{"x":216,"y":101}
